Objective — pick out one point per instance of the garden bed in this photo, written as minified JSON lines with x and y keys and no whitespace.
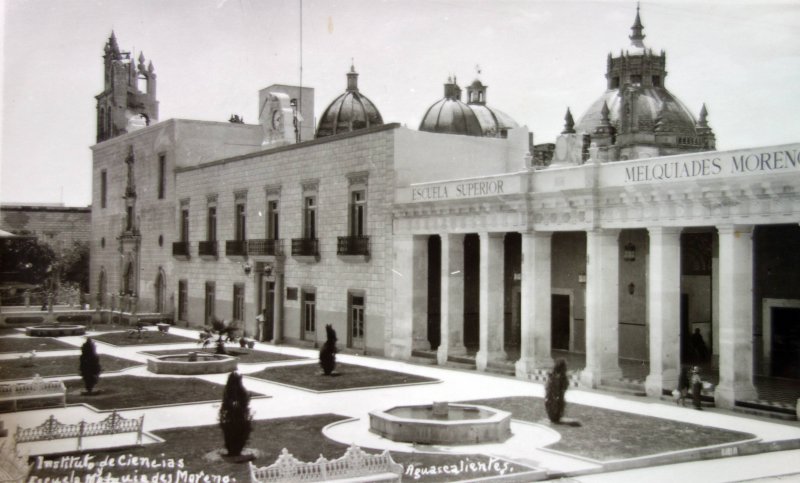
{"x":606,"y":434}
{"x":347,"y":376}
{"x":245,"y":356}
{"x":302,"y":436}
{"x":27,"y":344}
{"x":25,"y":368}
{"x":149,"y":337}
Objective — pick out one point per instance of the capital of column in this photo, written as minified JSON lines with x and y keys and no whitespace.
{"x":664,"y":230}
{"x":729,"y":229}
{"x":542,"y":235}
{"x":492,"y":234}
{"x":604,"y":232}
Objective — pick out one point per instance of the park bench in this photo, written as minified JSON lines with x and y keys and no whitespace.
{"x":355,"y":466}
{"x":53,"y":429}
{"x":36,"y":389}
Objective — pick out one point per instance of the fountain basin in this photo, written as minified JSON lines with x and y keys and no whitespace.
{"x":442,"y":423}
{"x":203,"y":363}
{"x":55,"y":330}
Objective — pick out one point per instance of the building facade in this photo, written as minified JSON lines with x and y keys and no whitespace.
{"x":462,"y":241}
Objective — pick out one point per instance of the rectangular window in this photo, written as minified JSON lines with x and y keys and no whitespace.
{"x":240,"y":222}
{"x":211,"y":229}
{"x":183,"y":298}
{"x":310,"y":215}
{"x":210,"y":300}
{"x":129,"y":218}
{"x":238,"y":302}
{"x":103,"y":188}
{"x":309,"y":304}
{"x":185,"y":225}
{"x":273,"y":219}
{"x":162,"y":175}
{"x":358,"y":213}
{"x":356,"y":320}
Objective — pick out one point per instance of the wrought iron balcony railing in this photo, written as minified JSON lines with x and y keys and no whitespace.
{"x":352,"y":245}
{"x":236,"y":248}
{"x":305,"y":247}
{"x":181,"y":249}
{"x":207,"y":248}
{"x":264,"y":247}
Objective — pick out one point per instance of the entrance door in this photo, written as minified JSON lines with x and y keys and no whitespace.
{"x":268,"y":309}
{"x":309,"y":305}
{"x":786,"y":342}
{"x":559,"y":336}
{"x":209,"y":313}
{"x":356,"y":321}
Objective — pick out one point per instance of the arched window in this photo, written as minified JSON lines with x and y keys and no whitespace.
{"x":129,"y":281}
{"x":160,"y":289}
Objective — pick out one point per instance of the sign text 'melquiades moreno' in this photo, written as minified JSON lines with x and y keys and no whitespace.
{"x":735,"y":164}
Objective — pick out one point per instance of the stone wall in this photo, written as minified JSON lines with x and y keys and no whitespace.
{"x":57,"y":226}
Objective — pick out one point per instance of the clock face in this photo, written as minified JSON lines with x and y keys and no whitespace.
{"x":277,"y":119}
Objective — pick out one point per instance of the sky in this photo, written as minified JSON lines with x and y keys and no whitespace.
{"x":741,"y":58}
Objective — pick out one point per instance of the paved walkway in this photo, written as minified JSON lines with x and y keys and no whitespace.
{"x":524,"y":446}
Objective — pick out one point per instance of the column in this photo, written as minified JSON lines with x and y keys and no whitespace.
{"x":663,"y":309}
{"x":277,"y":309}
{"x":714,"y":342}
{"x":536,"y":297}
{"x":602,"y":308}
{"x":491,"y":300}
{"x":403,"y":296}
{"x":420,"y":293}
{"x":452,"y":297}
{"x":735,"y":315}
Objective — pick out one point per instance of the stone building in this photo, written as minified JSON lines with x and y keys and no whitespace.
{"x":463,"y":242}
{"x":56,"y":225}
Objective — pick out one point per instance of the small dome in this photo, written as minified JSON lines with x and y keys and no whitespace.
{"x":349,"y":112}
{"x":452,"y":116}
{"x":653,"y":109}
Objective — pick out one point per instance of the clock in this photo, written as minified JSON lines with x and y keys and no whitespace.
{"x":277,"y":119}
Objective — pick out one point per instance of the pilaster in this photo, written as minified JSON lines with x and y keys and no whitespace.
{"x":452,"y":297}
{"x":491,"y":300}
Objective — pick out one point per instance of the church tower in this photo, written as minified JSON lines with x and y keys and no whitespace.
{"x":128,"y":101}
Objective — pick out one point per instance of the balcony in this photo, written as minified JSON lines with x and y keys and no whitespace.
{"x":264,"y":248}
{"x":236,"y":248}
{"x":181,"y":250}
{"x":305,"y":249}
{"x":353,"y":248}
{"x":208,"y":250}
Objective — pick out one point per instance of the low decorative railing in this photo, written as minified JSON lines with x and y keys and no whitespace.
{"x":264,"y":247}
{"x":33,"y":390}
{"x":53,"y":429}
{"x":352,"y":245}
{"x":305,"y":247}
{"x":354,"y":464}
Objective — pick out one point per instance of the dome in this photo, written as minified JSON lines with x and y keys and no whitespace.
{"x":349,"y":112}
{"x":652,"y":109}
{"x":474,"y":118}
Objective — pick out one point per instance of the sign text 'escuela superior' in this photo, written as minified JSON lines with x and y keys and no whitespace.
{"x":464,"y":189}
{"x":723,"y":165}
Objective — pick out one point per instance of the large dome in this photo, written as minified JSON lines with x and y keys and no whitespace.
{"x":651,"y":109}
{"x":349,"y":112}
{"x":474,"y":118}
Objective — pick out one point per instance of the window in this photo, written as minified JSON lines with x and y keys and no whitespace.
{"x":615,"y":82}
{"x":183,"y":298}
{"x":162,"y":175}
{"x":240,"y":222}
{"x":310,"y":218}
{"x":211,"y":228}
{"x":128,"y":218}
{"x":238,"y":302}
{"x":210,"y":296}
{"x":309,"y":304}
{"x":636,"y":79}
{"x":356,"y":320}
{"x":273,"y":219}
{"x":656,"y":81}
{"x":185,"y":225}
{"x":103,"y":188}
{"x":358,"y":213}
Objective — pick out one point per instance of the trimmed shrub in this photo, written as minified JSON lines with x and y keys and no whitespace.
{"x":557,"y":382}
{"x":327,"y":354}
{"x":234,"y":415}
{"x":89,"y":365}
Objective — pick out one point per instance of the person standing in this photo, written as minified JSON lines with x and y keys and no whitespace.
{"x":697,"y":388}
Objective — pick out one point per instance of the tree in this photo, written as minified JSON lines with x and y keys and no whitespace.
{"x":554,"y":401}
{"x":234,"y":415}
{"x":75,"y":265}
{"x":327,"y":354}
{"x":89,"y":365}
{"x":26,"y":260}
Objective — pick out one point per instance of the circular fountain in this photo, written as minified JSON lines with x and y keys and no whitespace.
{"x":55,"y":330}
{"x":192,"y":363}
{"x":442,"y":423}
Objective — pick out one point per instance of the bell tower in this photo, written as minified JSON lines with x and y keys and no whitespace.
{"x":128,"y":101}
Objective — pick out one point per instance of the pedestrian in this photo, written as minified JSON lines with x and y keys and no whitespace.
{"x":683,"y":387}
{"x":697,"y":388}
{"x":699,"y":349}
{"x":261,"y":323}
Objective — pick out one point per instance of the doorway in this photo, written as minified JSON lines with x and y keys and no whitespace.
{"x":786,"y":342}
{"x":267,"y":309}
{"x":355,"y":321}
{"x":560,"y":326}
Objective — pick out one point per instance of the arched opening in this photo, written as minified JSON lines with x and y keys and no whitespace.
{"x":101,"y":289}
{"x":160,"y":289}
{"x":128,"y":281}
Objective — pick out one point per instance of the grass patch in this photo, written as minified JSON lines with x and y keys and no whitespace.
{"x":350,"y":376}
{"x":57,"y":366}
{"x":149,"y":337}
{"x":27,"y":344}
{"x":302,"y":436}
{"x":134,"y":391}
{"x":608,"y":435}
{"x":245,"y":356}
